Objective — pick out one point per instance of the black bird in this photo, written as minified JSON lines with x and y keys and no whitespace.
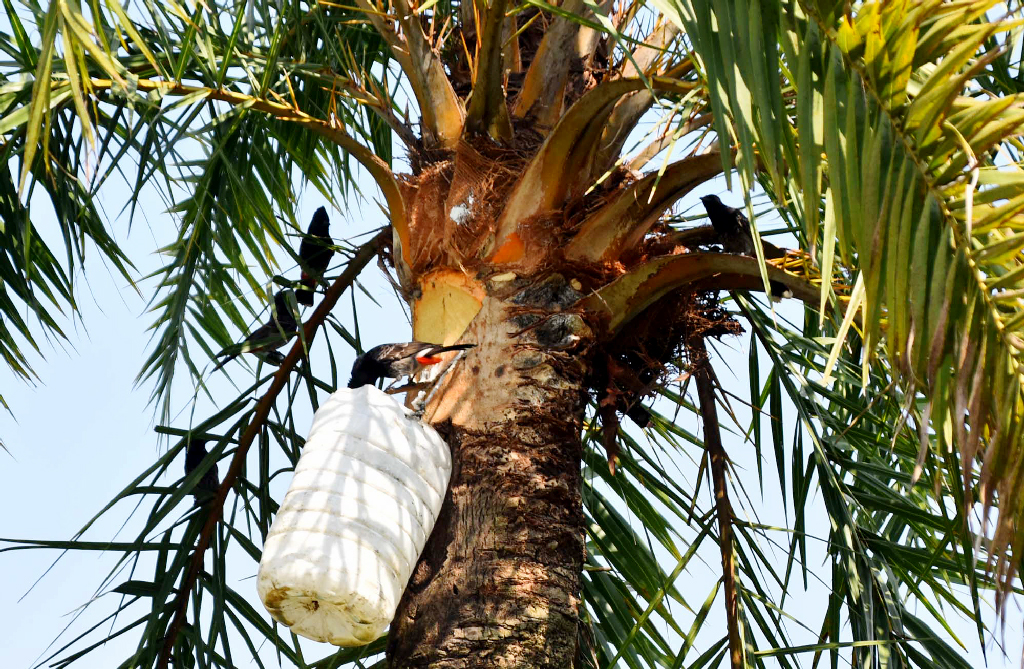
{"x":735,"y":236}
{"x":272,"y":335}
{"x":314,"y":255}
{"x":393,"y":361}
{"x":731,"y":226}
{"x":195,"y":453}
{"x":276,"y":332}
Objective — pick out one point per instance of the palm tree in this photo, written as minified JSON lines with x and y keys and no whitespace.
{"x":884,"y":134}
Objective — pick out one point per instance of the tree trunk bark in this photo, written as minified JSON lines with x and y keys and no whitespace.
{"x":498,"y":584}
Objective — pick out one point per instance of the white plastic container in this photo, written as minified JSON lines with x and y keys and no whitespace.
{"x":366,"y":492}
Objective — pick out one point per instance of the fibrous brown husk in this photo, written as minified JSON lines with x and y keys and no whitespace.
{"x":666,"y":337}
{"x":479,"y":188}
{"x":458,"y":200}
{"x":453,"y":204}
{"x":668,"y":329}
{"x":424,"y":196}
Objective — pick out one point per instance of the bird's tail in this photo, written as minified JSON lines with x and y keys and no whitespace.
{"x":429,"y":356}
{"x":305,"y":297}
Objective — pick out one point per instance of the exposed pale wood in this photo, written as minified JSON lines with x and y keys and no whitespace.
{"x":448,"y":302}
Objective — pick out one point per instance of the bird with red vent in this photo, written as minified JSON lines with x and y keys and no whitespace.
{"x":394,"y":361}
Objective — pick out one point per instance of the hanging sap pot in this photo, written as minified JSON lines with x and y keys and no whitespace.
{"x":366,"y":492}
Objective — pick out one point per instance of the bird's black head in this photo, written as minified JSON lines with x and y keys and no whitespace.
{"x":281,"y":302}
{"x":194,"y":454}
{"x":361,"y":377}
{"x":320,"y":224}
{"x":283,"y":313}
{"x":722,"y":214}
{"x":711,"y":201}
{"x":367,"y":368}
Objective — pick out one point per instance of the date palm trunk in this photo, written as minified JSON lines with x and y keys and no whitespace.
{"x":498,"y":584}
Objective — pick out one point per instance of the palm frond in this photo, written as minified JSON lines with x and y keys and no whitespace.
{"x":222,"y":146}
{"x":916,"y":200}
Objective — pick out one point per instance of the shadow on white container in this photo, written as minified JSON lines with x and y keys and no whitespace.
{"x":366,"y":492}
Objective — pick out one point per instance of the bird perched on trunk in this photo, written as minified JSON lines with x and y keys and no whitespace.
{"x":734,"y":234}
{"x":393,"y":361}
{"x":267,"y":338}
{"x":207,"y":486}
{"x":314,"y":255}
